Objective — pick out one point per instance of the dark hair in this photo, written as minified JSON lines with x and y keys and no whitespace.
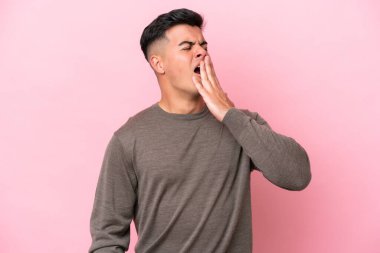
{"x":157,"y":28}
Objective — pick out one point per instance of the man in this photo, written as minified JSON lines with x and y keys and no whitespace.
{"x":180,"y":169}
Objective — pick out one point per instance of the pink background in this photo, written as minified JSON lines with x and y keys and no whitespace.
{"x":71,"y":72}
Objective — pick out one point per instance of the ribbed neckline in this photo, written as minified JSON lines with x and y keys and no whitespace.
{"x":179,"y":116}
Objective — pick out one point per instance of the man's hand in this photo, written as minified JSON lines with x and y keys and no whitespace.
{"x":208,"y":86}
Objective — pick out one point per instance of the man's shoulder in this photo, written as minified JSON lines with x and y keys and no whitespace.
{"x":135,"y":122}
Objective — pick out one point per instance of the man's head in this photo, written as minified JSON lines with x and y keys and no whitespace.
{"x":174,"y":45}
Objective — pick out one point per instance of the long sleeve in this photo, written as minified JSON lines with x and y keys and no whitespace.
{"x":114,"y":202}
{"x":282,"y":160}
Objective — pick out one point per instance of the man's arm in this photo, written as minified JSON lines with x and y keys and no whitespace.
{"x":281,"y":159}
{"x":115,"y":197}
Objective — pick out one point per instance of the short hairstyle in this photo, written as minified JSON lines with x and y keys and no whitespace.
{"x":157,"y":28}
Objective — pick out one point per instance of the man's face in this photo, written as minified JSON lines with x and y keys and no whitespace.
{"x":185,"y":49}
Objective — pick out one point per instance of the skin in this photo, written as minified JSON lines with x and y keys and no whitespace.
{"x":182,"y":90}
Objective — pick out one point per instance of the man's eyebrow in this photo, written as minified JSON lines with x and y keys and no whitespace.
{"x":192,"y":43}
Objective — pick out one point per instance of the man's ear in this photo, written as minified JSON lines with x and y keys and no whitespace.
{"x":157,"y":64}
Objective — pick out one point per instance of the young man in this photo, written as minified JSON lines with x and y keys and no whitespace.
{"x":180,"y":169}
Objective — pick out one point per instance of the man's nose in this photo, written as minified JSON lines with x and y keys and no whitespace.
{"x":201,"y":52}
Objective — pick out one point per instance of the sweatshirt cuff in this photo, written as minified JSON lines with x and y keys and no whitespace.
{"x":110,"y":249}
{"x":236,"y":121}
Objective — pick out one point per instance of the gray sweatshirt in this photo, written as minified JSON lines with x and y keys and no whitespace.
{"x":184,"y":179}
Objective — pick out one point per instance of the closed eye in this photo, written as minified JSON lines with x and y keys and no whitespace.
{"x":188,"y":48}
